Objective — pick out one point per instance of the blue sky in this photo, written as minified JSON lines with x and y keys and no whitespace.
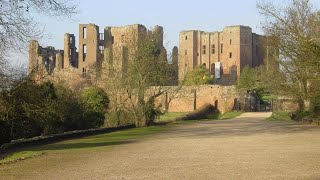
{"x":173,"y":15}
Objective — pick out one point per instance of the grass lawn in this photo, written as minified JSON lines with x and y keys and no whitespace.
{"x":103,"y":142}
{"x":171,"y":116}
{"x":279,"y":116}
{"x":90,"y":143}
{"x":269,"y":97}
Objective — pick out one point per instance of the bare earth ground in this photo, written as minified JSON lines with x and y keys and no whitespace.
{"x":246,"y":147}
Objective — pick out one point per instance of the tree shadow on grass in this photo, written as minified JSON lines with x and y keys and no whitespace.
{"x":66,"y":146}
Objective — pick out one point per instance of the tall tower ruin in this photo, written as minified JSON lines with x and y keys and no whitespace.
{"x":70,"y":51}
{"x":89,"y":41}
{"x":224,"y":53}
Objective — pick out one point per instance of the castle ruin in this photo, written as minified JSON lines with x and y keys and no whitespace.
{"x":224,"y":53}
{"x":112,"y":44}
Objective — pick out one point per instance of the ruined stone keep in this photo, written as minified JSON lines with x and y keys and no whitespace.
{"x":224,"y":53}
{"x":112,"y":44}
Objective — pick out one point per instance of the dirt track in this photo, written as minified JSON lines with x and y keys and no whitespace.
{"x":246,"y":147}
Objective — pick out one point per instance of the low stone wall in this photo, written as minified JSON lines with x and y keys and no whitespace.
{"x":58,"y":137}
{"x":285,"y":104}
{"x":190,"y":98}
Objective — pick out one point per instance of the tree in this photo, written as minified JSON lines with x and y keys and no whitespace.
{"x":95,"y":102}
{"x":247,"y":79}
{"x":18,"y":24}
{"x":135,"y":77}
{"x":292,"y":28}
{"x":95,"y":99}
{"x":30,"y":109}
{"x":198,"y":76}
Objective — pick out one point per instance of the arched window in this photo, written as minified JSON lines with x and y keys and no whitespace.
{"x":204,"y":65}
{"x":216,"y":104}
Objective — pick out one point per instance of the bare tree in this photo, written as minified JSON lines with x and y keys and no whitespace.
{"x":134,"y":74}
{"x":17,"y":19}
{"x":292,"y":28}
{"x":18,"y":23}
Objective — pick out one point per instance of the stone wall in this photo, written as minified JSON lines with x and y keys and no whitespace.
{"x":190,"y":98}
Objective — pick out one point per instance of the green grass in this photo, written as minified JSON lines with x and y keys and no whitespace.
{"x":20,"y":156}
{"x":171,"y":116}
{"x":269,"y":97}
{"x":227,"y":115}
{"x":103,"y":142}
{"x":279,"y":116}
{"x":100,"y":142}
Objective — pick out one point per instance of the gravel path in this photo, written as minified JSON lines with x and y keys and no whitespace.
{"x":246,"y":147}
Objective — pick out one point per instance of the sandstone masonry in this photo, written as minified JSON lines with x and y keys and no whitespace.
{"x":112,"y":44}
{"x":224,"y":53}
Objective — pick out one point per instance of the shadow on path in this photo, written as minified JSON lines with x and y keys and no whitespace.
{"x":242,"y":126}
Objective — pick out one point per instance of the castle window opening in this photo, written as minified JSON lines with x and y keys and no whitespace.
{"x":204,"y":49}
{"x":230,"y":54}
{"x":101,"y":36}
{"x":213,"y":67}
{"x":70,"y":52}
{"x":213,"y":49}
{"x":84,"y":52}
{"x":70,"y":39}
{"x":221,"y":48}
{"x":84,"y":32}
{"x":185,"y":52}
{"x":186,"y":37}
{"x":84,"y":71}
{"x":101,"y":48}
{"x":230,"y":41}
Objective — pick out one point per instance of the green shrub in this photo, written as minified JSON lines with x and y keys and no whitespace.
{"x":95,"y":103}
{"x":95,"y":99}
{"x":299,"y":115}
{"x":30,"y":109}
{"x":316,"y":103}
{"x":118,"y":117}
{"x":151,"y":112}
{"x":4,"y":132}
{"x":279,"y":116}
{"x":199,"y":76}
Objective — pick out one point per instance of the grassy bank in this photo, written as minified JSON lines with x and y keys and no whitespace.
{"x":105,"y":141}
{"x":90,"y":143}
{"x":170,"y":116}
{"x":279,"y":116}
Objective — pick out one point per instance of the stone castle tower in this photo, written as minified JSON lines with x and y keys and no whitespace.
{"x":224,"y":53}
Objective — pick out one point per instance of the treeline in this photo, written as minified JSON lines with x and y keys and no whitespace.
{"x":292,"y":46}
{"x":29,"y":109}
